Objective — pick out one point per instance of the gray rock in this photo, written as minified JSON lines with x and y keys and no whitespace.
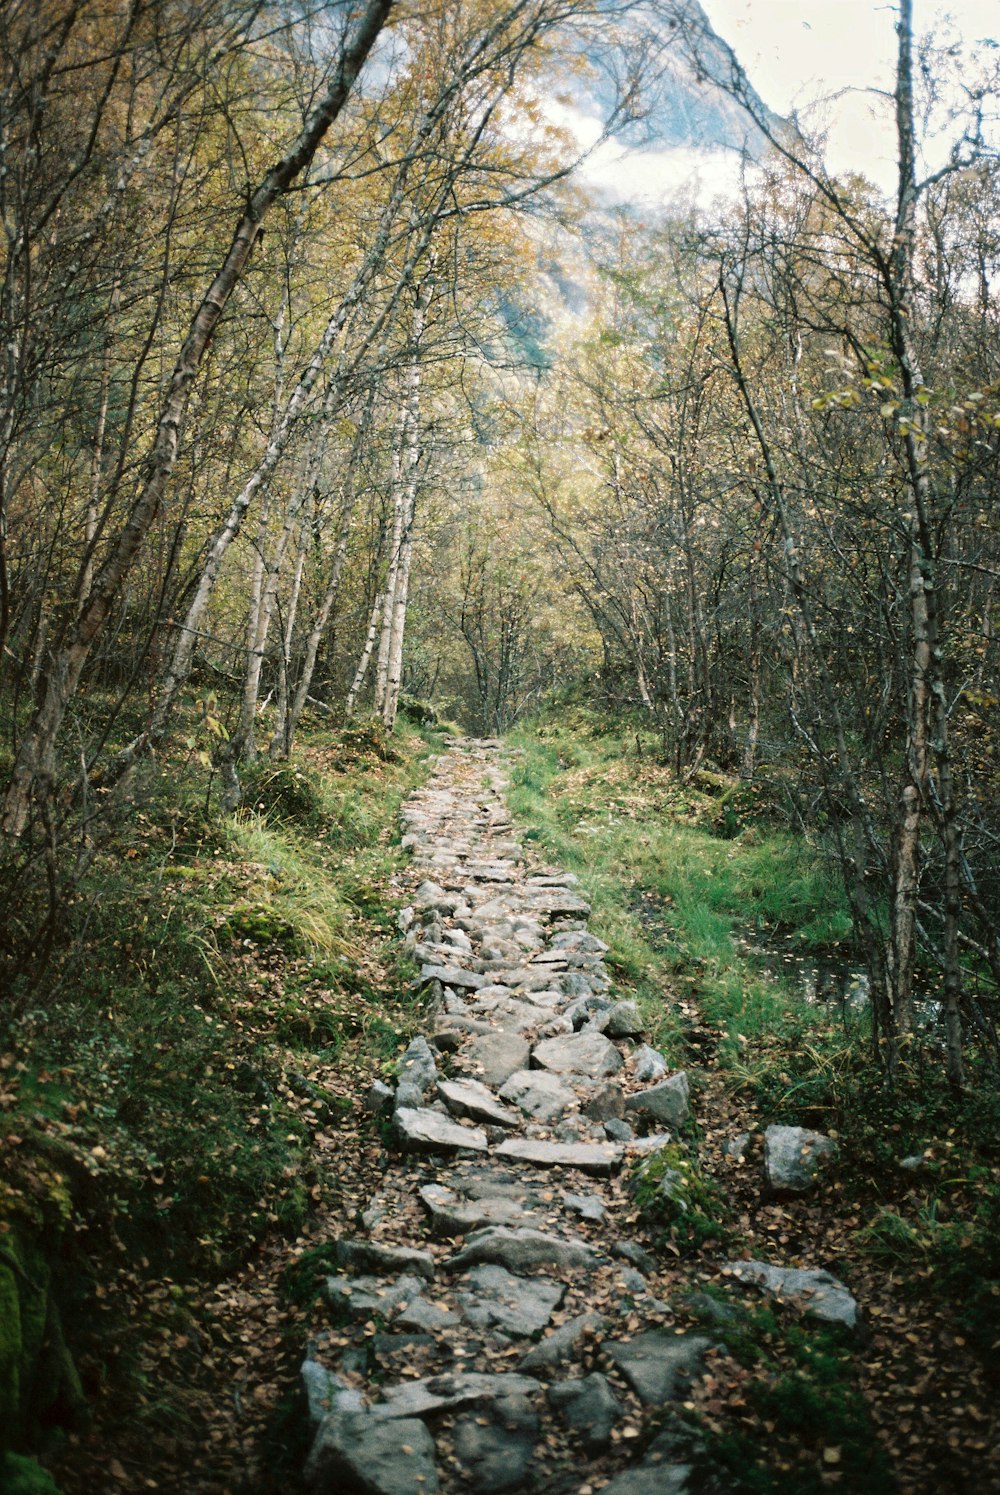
{"x":648,"y":1064}
{"x":651,"y":1479}
{"x":378,"y":1097}
{"x":451,"y":1215}
{"x":589,"y":1054}
{"x":601,"y":1158}
{"x":606,"y":1102}
{"x":711,"y":1311}
{"x":408,"y":1097}
{"x":579,"y":940}
{"x":519,"y":1306}
{"x":539,"y":1094}
{"x":360,"y":1297}
{"x":427,"y":1131}
{"x":587,"y":1206}
{"x":451,"y":1392}
{"x":472,"y":1098}
{"x":587,"y":1012}
{"x":326,"y":1392}
{"x":383,"y":1260}
{"x":816,"y":1293}
{"x":618,"y":1131}
{"x":624,"y":1021}
{"x":562,"y":1342}
{"x":589,"y":1406}
{"x":423,"y":1315}
{"x":632,"y":1252}
{"x":737,"y":1147}
{"x":496,"y":1056}
{"x":653,"y":1363}
{"x":495,"y":1448}
{"x":793,"y":1156}
{"x":644,"y":1146}
{"x":417,"y":1066}
{"x":521,"y":1250}
{"x":667,"y":1103}
{"x":431,"y":896}
{"x":633,"y":1282}
{"x":454,"y":976}
{"x":360,"y":1454}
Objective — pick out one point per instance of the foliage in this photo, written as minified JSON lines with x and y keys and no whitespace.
{"x":676,"y":1198}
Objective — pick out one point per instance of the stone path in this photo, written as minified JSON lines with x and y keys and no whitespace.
{"x":512,"y":1339}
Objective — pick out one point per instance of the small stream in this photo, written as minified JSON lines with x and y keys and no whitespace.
{"x":837,"y":984}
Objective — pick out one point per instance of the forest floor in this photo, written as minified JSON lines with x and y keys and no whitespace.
{"x":192,"y":1367}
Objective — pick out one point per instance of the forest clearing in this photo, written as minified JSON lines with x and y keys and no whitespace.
{"x":499,"y":838}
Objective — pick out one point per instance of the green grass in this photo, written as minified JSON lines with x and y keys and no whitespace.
{"x":667,"y":892}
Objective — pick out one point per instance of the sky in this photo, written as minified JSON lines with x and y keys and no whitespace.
{"x":821,"y":58}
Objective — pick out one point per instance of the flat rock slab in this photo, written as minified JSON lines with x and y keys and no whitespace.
{"x":429,"y":1131}
{"x":816,"y":1293}
{"x":372,"y":1256}
{"x":475,"y":1100}
{"x":539,"y":1094}
{"x":519,"y":1306}
{"x":651,"y":1479}
{"x":453,"y":976}
{"x":496,"y":1056}
{"x":360,"y":1454}
{"x":589,"y":1406}
{"x":361,"y":1296}
{"x":793,"y":1156}
{"x":600,"y":1158}
{"x":495,"y":1447}
{"x":448,"y":1392}
{"x":589,"y":1054}
{"x":452,"y":1215}
{"x":561,"y":1344}
{"x":668,"y":1103}
{"x":654,"y":1363}
{"x":521,"y":1250}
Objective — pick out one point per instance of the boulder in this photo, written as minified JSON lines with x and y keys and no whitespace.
{"x":359,"y":1297}
{"x":589,"y":1406}
{"x":361,"y":1454}
{"x":818,"y":1294}
{"x":386,"y":1261}
{"x":588,"y":1054}
{"x":521,"y":1250}
{"x":473,"y":1099}
{"x":653,"y":1363}
{"x":793,"y":1156}
{"x":452,"y":1392}
{"x":624,"y":1020}
{"x":600,"y":1158}
{"x":451,"y":1215}
{"x":428,"y":1131}
{"x":494,"y":1448}
{"x":562,"y":1342}
{"x":496,"y":1056}
{"x":667,"y":1102}
{"x":520,"y":1306}
{"x":539,"y":1094}
{"x":648,"y":1064}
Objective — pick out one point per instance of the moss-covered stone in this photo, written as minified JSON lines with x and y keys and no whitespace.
{"x":11,"y":1347}
{"x":20,"y":1476}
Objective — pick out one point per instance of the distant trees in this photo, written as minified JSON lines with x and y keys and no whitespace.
{"x":792,"y":429}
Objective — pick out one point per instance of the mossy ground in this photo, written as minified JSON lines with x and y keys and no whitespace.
{"x":216,"y":980}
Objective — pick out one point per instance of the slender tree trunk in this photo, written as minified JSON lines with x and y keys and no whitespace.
{"x":366,"y":653}
{"x":35,"y":762}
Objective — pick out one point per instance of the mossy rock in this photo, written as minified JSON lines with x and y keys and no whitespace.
{"x":19,"y":1476}
{"x":261,"y":925}
{"x":38,"y":1380}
